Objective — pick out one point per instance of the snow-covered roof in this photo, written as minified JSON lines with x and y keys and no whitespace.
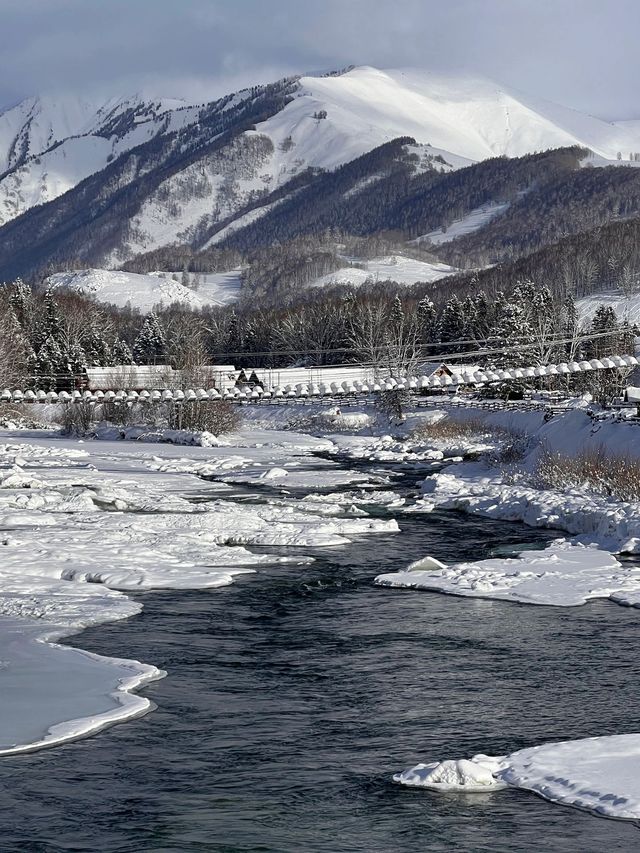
{"x":431,"y":367}
{"x":633,"y":394}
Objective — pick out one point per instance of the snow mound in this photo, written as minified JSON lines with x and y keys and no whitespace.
{"x":475,"y":774}
{"x":145,"y":291}
{"x":598,"y":774}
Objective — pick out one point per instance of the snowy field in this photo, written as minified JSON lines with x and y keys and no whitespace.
{"x":393,"y":267}
{"x":146,"y":291}
{"x":626,"y":307}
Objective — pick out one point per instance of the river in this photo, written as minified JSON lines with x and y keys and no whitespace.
{"x":293,"y":695}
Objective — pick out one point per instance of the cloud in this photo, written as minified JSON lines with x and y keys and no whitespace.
{"x":579,"y":52}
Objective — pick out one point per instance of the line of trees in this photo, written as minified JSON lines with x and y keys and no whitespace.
{"x":50,"y":337}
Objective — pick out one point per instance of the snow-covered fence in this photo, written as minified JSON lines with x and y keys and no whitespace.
{"x":344,"y":384}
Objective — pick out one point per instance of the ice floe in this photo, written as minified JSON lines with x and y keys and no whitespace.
{"x":598,"y":774}
{"x":564,"y":574}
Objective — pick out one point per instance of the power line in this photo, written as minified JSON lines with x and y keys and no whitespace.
{"x":465,"y":354}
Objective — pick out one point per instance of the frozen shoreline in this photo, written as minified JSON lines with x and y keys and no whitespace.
{"x":85,"y":692}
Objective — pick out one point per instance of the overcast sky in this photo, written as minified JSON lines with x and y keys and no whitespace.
{"x":581,"y":53}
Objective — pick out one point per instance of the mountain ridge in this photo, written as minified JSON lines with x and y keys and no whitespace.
{"x":185,"y":175}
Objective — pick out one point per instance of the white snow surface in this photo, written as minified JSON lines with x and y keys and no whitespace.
{"x":465,"y":115}
{"x":598,"y":774}
{"x":563,"y":574}
{"x":146,"y":291}
{"x":396,"y":268}
{"x":473,"y":221}
{"x":626,"y":307}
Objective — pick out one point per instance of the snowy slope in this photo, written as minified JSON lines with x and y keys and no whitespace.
{"x":394,"y":268}
{"x":626,"y":308}
{"x":467,"y":116}
{"x":48,"y":145}
{"x":146,"y":291}
{"x":473,"y":221}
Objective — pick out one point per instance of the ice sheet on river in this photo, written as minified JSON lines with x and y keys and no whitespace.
{"x":563,"y":574}
{"x":80,"y":521}
{"x":53,"y":693}
{"x":597,"y":774}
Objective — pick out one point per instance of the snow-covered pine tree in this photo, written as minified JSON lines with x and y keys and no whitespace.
{"x":150,"y":345}
{"x":21,"y":301}
{"x":50,"y":365}
{"x":97,"y":350}
{"x":427,"y":320}
{"x":604,"y":322}
{"x":76,"y":359}
{"x":121,"y":353}
{"x":511,"y":332}
{"x":452,"y":325}
{"x":15,"y":352}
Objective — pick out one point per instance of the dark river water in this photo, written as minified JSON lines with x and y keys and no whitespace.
{"x":295,"y":694}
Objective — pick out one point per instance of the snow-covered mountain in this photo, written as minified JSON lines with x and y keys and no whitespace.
{"x":466,"y":116}
{"x":235,"y":160}
{"x":332,"y":120}
{"x":49,"y":144}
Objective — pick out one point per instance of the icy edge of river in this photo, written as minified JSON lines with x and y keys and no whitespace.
{"x":53,"y":693}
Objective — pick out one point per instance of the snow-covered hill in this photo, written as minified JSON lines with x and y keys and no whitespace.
{"x":146,"y":291}
{"x":626,"y":307}
{"x":332,"y":120}
{"x":50,"y":144}
{"x":392,"y":268}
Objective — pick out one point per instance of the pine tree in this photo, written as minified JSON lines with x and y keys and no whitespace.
{"x":96,"y":346}
{"x":120,"y":352}
{"x":604,"y":322}
{"x":15,"y":352}
{"x":233,"y":342}
{"x":52,"y":325}
{"x":427,"y":320}
{"x":77,"y":359}
{"x":452,"y":326}
{"x":511,"y":332}
{"x":150,"y":345}
{"x":50,"y":366}
{"x":21,"y":301}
